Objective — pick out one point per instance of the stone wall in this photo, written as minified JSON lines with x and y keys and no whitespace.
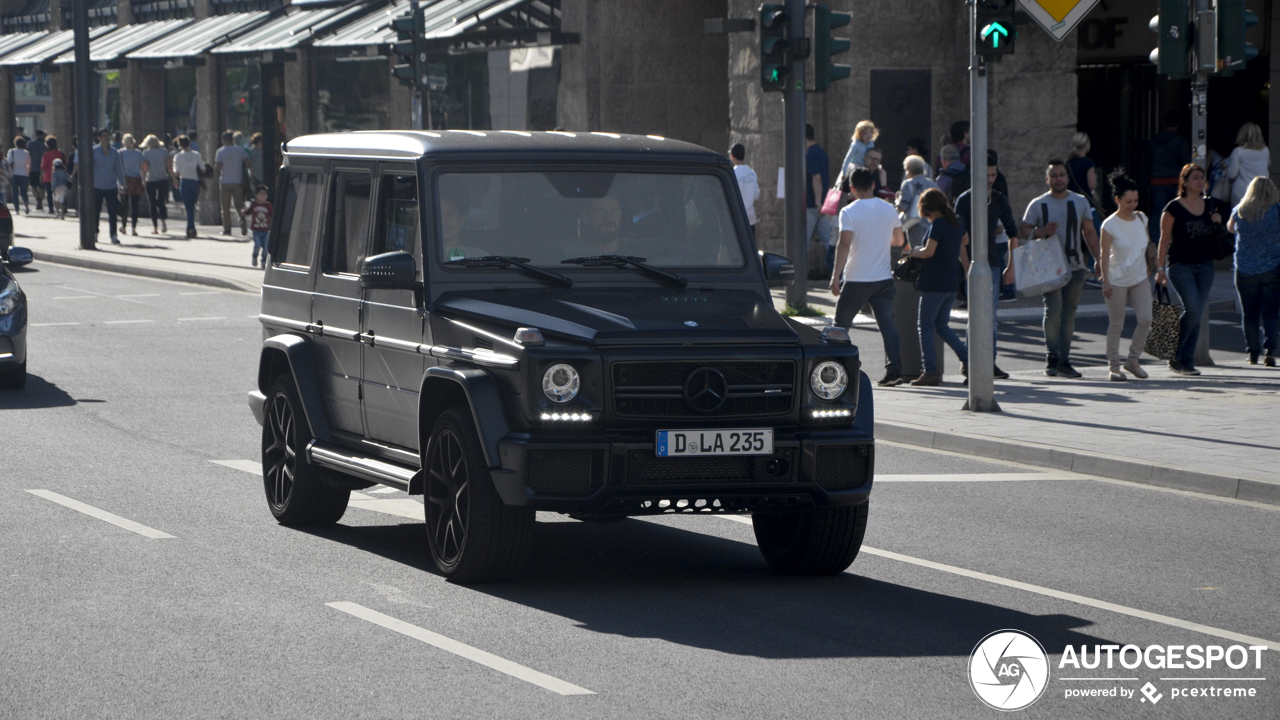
{"x":645,"y":66}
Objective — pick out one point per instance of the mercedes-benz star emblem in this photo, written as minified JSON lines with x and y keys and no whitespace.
{"x":705,"y":389}
{"x":691,"y":323}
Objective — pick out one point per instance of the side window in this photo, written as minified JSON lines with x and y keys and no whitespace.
{"x":295,"y":236}
{"x":347,"y":227}
{"x":397,"y":215}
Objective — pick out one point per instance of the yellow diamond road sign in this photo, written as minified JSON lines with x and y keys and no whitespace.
{"x":1058,"y":17}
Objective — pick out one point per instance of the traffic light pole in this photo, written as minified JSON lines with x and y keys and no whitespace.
{"x":981,"y":303}
{"x":793,"y":146}
{"x":1200,"y":156}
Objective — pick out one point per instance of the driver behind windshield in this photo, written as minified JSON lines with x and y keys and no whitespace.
{"x":600,"y":226}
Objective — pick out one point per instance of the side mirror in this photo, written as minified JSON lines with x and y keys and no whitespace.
{"x":778,"y":270}
{"x":19,"y":256}
{"x":390,"y":271}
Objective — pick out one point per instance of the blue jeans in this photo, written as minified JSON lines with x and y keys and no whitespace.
{"x":935,"y":315}
{"x":1260,"y":301}
{"x":259,"y":243}
{"x":853,"y":295}
{"x":20,"y":190}
{"x":1060,"y":318}
{"x":1193,"y":283}
{"x":190,"y":191}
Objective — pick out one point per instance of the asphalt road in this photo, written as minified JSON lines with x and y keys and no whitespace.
{"x":136,"y":407}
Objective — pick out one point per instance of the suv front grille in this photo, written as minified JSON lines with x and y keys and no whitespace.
{"x":657,"y":390}
{"x":566,"y":472}
{"x":644,"y":468}
{"x":843,"y":467}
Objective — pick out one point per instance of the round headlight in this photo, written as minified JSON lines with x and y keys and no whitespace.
{"x":829,"y":380}
{"x":560,"y":383}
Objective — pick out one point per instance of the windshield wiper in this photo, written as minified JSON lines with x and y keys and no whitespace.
{"x":505,"y":261}
{"x":627,"y":261}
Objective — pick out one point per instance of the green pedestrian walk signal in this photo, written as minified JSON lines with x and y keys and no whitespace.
{"x":774,"y":47}
{"x":996,"y":28}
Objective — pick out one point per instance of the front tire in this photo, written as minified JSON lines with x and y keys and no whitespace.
{"x":813,"y":542}
{"x":14,"y":379}
{"x":472,"y":535}
{"x":297,"y":491}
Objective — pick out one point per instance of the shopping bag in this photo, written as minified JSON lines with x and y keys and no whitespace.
{"x":831,"y":205}
{"x":1162,"y":341}
{"x":1039,"y":266}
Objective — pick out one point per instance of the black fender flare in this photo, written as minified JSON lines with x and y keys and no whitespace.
{"x":295,"y":352}
{"x":444,"y":387}
{"x":864,"y":418}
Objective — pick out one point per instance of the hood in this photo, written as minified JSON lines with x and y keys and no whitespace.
{"x":626,"y":316}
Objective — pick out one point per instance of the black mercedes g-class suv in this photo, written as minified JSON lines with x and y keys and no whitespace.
{"x":508,"y":322}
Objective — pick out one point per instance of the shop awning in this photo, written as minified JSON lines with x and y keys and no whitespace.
{"x":291,"y":30}
{"x":372,"y":29}
{"x":485,"y":24}
{"x":50,"y":47}
{"x":462,"y":24}
{"x":12,"y":43}
{"x":198,"y":37}
{"x":112,"y":47}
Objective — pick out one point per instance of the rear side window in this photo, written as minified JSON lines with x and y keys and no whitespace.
{"x":295,"y":237}
{"x":348,"y":225}
{"x":397,"y":215}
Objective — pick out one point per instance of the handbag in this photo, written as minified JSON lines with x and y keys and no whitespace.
{"x":831,"y":205}
{"x":1222,"y":243}
{"x":1162,"y":340}
{"x":1039,"y":267}
{"x":907,"y":269}
{"x":133,"y":185}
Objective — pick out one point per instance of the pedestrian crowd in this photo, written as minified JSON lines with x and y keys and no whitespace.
{"x":135,"y":180}
{"x":1086,"y":230}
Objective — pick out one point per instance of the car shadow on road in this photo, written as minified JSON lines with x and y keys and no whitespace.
{"x":642,"y":579}
{"x":39,"y":393}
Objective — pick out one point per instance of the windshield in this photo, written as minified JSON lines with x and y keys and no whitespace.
{"x":669,"y":220}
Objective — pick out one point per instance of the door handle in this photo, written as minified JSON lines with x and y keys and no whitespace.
{"x":367,"y":338}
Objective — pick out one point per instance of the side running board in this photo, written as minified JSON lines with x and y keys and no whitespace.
{"x":364,"y":467}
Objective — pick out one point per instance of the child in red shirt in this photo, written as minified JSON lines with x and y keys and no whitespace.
{"x":259,"y":214}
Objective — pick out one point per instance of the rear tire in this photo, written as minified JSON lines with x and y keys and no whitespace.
{"x":812,"y":542}
{"x":473,"y":536}
{"x":297,"y":492}
{"x":14,"y":379}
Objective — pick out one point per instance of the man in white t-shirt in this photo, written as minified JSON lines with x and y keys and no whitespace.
{"x":869,"y":227}
{"x":748,"y":184}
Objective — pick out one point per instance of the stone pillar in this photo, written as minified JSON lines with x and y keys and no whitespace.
{"x":299,"y":95}
{"x":578,"y":99}
{"x":401,"y":103}
{"x":8,"y":116}
{"x":142,"y":101}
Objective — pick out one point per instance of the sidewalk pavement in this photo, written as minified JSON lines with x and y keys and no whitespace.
{"x":1214,"y":434}
{"x":211,"y":259}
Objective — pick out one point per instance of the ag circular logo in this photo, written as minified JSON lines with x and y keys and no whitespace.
{"x":1008,"y":670}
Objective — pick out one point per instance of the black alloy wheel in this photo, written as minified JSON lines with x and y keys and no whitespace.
{"x":297,"y":492}
{"x":473,"y":536}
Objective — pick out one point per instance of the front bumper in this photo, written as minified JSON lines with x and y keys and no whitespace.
{"x":620,"y":475}
{"x":13,"y":338}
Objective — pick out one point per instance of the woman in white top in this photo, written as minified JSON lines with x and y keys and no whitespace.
{"x":1124,"y":275}
{"x":20,"y":168}
{"x":186,"y":169}
{"x":1250,"y":159}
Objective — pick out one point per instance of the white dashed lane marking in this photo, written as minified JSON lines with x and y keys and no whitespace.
{"x":103,"y":515}
{"x":1058,"y":594}
{"x":200,"y":318}
{"x":248,"y":466}
{"x":126,"y":322}
{"x":476,"y":655}
{"x":65,"y":324}
{"x":202,"y":292}
{"x":75,"y":297}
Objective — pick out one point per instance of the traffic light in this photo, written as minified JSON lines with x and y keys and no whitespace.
{"x":774,"y":22}
{"x":824,"y":46}
{"x":996,"y":29}
{"x":1173,"y":30}
{"x":410,"y":48}
{"x":1233,"y":51}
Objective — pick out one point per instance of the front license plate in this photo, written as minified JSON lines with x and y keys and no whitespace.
{"x":673,"y":443}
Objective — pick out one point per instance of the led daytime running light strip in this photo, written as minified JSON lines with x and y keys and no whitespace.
{"x":570,"y":417}
{"x":831,"y":413}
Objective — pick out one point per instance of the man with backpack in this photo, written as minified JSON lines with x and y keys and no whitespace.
{"x":1067,"y":218}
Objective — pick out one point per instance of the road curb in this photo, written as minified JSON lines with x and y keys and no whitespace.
{"x":1108,"y":466}
{"x":142,"y":271}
